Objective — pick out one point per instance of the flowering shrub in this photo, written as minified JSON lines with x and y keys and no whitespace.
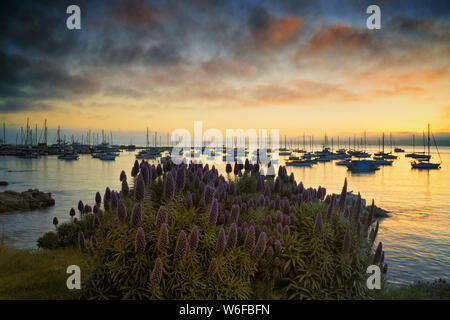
{"x":192,"y":234}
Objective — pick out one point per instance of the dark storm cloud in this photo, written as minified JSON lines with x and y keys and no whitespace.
{"x":18,"y":105}
{"x":114,"y":54}
{"x":25,"y":82}
{"x":41,"y":60}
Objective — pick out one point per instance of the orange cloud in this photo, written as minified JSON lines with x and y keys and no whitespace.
{"x":336,"y":38}
{"x":136,"y":13}
{"x":283,"y":31}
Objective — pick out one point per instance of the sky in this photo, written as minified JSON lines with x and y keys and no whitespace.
{"x":293,"y":65}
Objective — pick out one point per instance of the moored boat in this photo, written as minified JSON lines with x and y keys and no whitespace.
{"x":425,"y":163}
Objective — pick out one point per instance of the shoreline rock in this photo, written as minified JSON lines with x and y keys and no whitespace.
{"x":27,"y":200}
{"x":352,"y":198}
{"x":3,"y":183}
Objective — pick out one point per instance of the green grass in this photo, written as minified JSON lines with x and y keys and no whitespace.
{"x":37,"y":274}
{"x":436,"y":290}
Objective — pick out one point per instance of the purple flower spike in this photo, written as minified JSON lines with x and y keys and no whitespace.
{"x":181,"y":248}
{"x":378,"y":253}
{"x":169,"y":187}
{"x":96,"y":222}
{"x":139,"y":190}
{"x":371,"y":214}
{"x":136,"y":215}
{"x":228,"y":168}
{"x":193,"y":239}
{"x":208,"y":194}
{"x":72,"y":212}
{"x":347,"y":242}
{"x":80,"y":206}
{"x":235,"y":212}
{"x":94,"y":242}
{"x":121,"y":210}
{"x":221,"y":242}
{"x":343,"y":196}
{"x":107,"y":196}
{"x":114,"y":199}
{"x":330,"y":210}
{"x":269,"y":252}
{"x":267,"y":191}
{"x":188,"y":201}
{"x":277,"y":246}
{"x":125,"y":188}
{"x":286,"y":230}
{"x":135,"y":170}
{"x":260,"y":247}
{"x":106,"y":205}
{"x":213,"y":213}
{"x":140,"y":243}
{"x":123,"y":176}
{"x":279,"y":216}
{"x":163,"y":239}
{"x":82,"y":241}
{"x":181,"y":179}
{"x":250,"y":239}
{"x":156,"y":276}
{"x":98,"y":197}
{"x":232,"y":236}
{"x":318,"y":225}
{"x":161,"y":216}
{"x":212,"y":269}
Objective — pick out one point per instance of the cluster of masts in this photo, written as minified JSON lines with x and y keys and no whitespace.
{"x":34,"y":143}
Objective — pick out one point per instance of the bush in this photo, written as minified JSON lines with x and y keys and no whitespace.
{"x":66,"y":234}
{"x":284,"y":242}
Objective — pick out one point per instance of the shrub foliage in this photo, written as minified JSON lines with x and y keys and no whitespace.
{"x":186,"y":232}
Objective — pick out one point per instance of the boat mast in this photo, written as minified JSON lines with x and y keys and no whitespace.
{"x":428,"y":139}
{"x":391,"y":141}
{"x":383,"y":142}
{"x":423,"y":136}
{"x":365,"y":141}
{"x":28,"y":129}
{"x":45,"y":131}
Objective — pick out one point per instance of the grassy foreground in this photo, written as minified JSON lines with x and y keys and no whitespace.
{"x":41,"y":274}
{"x":37,"y":274}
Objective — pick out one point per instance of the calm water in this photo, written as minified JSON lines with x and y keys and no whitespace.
{"x":416,"y":237}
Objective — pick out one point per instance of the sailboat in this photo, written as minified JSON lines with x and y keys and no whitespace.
{"x":425,"y":163}
{"x":418,"y":155}
{"x":148,"y":153}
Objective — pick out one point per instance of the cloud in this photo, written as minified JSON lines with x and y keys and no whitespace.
{"x":19,"y":105}
{"x":137,"y":13}
{"x":336,"y":39}
{"x":268,"y":32}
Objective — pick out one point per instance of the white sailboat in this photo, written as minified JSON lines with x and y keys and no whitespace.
{"x":425,"y":163}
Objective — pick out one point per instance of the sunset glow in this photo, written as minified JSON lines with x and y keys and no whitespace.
{"x":163,"y":64}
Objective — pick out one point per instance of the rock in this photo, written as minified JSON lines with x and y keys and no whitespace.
{"x":352,"y":198}
{"x":379,"y":213}
{"x":27,"y":200}
{"x":3,"y":183}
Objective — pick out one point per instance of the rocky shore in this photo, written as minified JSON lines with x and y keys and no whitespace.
{"x":22,"y":201}
{"x":379,"y":213}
